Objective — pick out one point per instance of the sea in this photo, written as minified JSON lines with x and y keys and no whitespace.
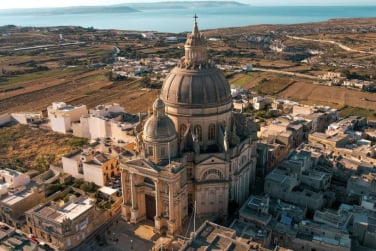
{"x":181,"y":20}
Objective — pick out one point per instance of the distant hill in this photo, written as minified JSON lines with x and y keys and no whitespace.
{"x":121,"y":8}
{"x":183,"y":5}
{"x":73,"y":10}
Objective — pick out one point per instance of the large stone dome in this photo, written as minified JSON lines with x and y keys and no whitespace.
{"x":159,"y":127}
{"x":197,"y":97}
{"x":196,"y":88}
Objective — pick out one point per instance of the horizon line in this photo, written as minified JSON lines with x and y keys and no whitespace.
{"x":251,"y":5}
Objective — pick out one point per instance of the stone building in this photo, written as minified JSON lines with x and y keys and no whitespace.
{"x":211,"y":236}
{"x":97,"y":163}
{"x":17,"y":194}
{"x":15,"y":203}
{"x":295,"y":181}
{"x":65,"y":225}
{"x":106,"y":121}
{"x":62,"y":116}
{"x":12,"y":179}
{"x":364,"y":226}
{"x":192,"y":149}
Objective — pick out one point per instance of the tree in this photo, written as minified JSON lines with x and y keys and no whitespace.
{"x":109,"y":75}
{"x":43,"y":163}
{"x":146,"y":81}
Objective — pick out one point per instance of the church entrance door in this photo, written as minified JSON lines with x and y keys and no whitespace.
{"x":150,"y":207}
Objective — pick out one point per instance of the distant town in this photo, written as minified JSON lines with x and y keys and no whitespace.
{"x":236,"y":139}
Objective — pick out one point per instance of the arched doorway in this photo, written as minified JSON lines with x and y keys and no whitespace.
{"x":150,"y":206}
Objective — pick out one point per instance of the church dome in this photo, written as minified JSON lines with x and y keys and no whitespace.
{"x":196,"y":88}
{"x":159,"y":127}
{"x":195,"y":83}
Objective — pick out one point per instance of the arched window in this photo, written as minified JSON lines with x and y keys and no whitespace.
{"x":198,"y":132}
{"x":212,"y":174}
{"x":183,"y":129}
{"x":149,"y":182}
{"x":211,"y":132}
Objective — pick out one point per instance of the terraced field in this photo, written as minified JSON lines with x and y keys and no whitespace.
{"x":74,"y":86}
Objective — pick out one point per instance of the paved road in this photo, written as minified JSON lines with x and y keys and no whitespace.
{"x":344,"y":47}
{"x":287,"y":73}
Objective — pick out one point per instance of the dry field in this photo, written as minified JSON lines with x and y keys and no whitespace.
{"x":22,"y":146}
{"x":264,"y":83}
{"x":351,"y":22}
{"x":353,"y":102}
{"x":357,"y":41}
{"x":74,"y":86}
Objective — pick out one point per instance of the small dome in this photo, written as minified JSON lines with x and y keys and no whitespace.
{"x":159,"y":127}
{"x":158,"y":104}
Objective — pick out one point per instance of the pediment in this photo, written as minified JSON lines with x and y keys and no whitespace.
{"x":212,"y":160}
{"x":143,"y":165}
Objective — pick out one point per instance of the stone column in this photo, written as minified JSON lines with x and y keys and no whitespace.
{"x":171,"y":212}
{"x":133,"y":192}
{"x":239,"y":191}
{"x":158,"y":202}
{"x":124,"y":186}
{"x":157,"y":199}
{"x":134,"y":211}
{"x":245,"y":184}
{"x":126,"y":212}
{"x":234,"y":186}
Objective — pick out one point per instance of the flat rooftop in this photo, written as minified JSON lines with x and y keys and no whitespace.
{"x":334,"y":138}
{"x":18,"y":196}
{"x":211,"y":236}
{"x":316,"y":175}
{"x":69,"y":210}
{"x":9,"y":172}
{"x":249,"y":231}
{"x":280,"y":178}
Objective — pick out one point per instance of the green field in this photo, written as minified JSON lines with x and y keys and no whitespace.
{"x":38,"y":75}
{"x":272,"y":86}
{"x":355,"y":111}
{"x":243,"y":80}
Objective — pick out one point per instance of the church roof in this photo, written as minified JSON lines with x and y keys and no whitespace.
{"x":197,"y":88}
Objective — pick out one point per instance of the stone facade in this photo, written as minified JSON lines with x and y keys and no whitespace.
{"x":193,"y":150}
{"x":14,"y":204}
{"x":65,"y":225}
{"x":62,"y":116}
{"x":97,"y":163}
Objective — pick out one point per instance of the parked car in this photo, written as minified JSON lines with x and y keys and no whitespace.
{"x":34,"y":240}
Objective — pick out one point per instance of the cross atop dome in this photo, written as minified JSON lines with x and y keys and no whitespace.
{"x":195,"y":48}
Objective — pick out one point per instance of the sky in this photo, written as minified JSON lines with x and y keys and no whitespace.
{"x":59,"y":3}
